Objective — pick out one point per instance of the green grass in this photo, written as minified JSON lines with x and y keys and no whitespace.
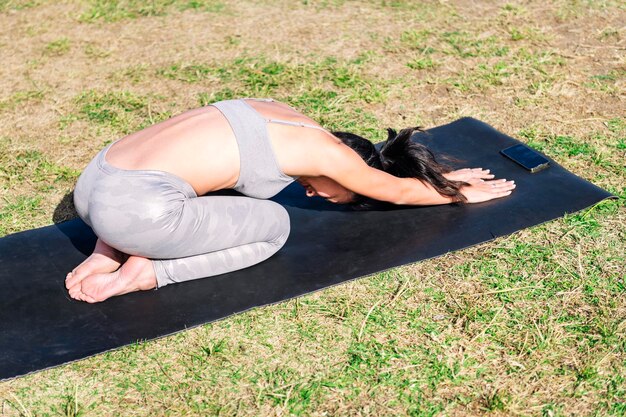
{"x":262,"y":77}
{"x":522,"y":68}
{"x":421,"y":63}
{"x":598,"y":147}
{"x":58,"y":47}
{"x":20,"y":98}
{"x":95,"y":52}
{"x":17,"y":213}
{"x":606,"y":83}
{"x":490,"y":61}
{"x":18,"y":4}
{"x":36,"y":176}
{"x":122,"y":112}
{"x":36,"y":168}
{"x":322,"y":89}
{"x":465,"y":45}
{"x":461,"y":44}
{"x":116,"y":10}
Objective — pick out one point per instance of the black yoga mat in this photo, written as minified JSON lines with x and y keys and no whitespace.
{"x":40,"y":326}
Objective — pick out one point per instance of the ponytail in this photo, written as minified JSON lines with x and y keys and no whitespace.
{"x":407,"y":159}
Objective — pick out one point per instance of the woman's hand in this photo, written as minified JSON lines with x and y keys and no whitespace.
{"x":487,"y":190}
{"x":469,"y":175}
{"x":478,"y":189}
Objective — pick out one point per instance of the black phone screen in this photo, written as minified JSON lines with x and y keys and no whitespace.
{"x":526,"y":157}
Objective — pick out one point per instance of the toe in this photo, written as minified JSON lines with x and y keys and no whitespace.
{"x":72,"y":279}
{"x":75,"y":293}
{"x":82,"y":296}
{"x":90,"y":300}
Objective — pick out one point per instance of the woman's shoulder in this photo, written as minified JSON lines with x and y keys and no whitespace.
{"x":302,"y":151}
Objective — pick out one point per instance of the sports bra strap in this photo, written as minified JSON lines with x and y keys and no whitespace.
{"x":267,"y":100}
{"x":284,"y":122}
{"x":290,"y":123}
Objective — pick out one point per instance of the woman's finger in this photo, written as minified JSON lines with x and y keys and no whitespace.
{"x":480,"y":173}
{"x":497,"y":185}
{"x":498,"y":181}
{"x":509,"y":185}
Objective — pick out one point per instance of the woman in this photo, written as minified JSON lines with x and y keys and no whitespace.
{"x":140,"y":194}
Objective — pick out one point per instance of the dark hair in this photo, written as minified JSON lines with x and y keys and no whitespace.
{"x":401,"y":157}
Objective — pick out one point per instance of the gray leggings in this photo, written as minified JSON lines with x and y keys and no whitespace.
{"x":157,"y":215}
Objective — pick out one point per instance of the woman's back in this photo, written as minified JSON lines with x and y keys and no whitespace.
{"x":200,"y":147}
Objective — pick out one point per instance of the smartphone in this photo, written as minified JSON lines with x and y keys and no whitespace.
{"x":526,"y":157}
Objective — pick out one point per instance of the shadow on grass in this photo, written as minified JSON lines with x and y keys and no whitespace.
{"x":65,"y":210}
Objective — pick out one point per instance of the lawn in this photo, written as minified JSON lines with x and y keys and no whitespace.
{"x":533,"y":324}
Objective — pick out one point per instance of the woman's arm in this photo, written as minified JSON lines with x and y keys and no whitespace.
{"x":346,"y":167}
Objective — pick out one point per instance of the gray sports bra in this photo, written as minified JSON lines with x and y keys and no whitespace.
{"x":259,"y":174}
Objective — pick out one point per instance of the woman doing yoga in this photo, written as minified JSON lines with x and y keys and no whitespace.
{"x":144,"y":195}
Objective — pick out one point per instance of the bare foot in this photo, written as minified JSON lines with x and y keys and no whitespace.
{"x":103,"y":259}
{"x":135,"y":275}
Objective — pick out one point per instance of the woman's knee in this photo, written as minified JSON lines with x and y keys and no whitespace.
{"x":282,"y":226}
{"x":279,"y":223}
